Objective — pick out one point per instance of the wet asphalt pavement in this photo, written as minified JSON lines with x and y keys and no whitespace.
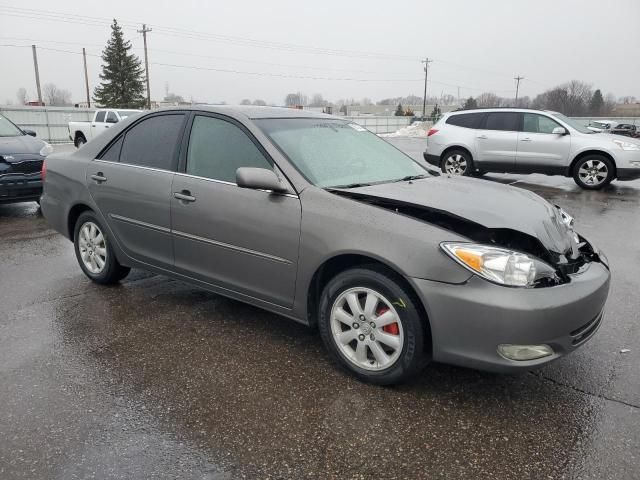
{"x":157,"y":379}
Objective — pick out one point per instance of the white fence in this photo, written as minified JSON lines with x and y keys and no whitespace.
{"x":50,"y":123}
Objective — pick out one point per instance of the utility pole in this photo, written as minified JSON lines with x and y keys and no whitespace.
{"x":86,"y":77}
{"x":517,"y":79}
{"x":426,"y":62}
{"x":35,"y":66}
{"x":146,"y":61}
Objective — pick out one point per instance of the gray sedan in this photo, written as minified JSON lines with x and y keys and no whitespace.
{"x":317,"y":219}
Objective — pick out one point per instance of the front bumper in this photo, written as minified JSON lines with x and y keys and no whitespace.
{"x":470,"y":320}
{"x":20,"y":188}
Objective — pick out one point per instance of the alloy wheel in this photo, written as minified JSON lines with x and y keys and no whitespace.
{"x":593,"y":172}
{"x":455,"y":164}
{"x":92,"y":247}
{"x":366,"y":328}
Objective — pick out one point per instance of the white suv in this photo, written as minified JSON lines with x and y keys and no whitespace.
{"x":472,"y":142}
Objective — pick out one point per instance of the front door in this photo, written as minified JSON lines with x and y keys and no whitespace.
{"x":131,"y":185}
{"x":540,"y":150}
{"x":235,"y":238}
{"x":497,"y":142}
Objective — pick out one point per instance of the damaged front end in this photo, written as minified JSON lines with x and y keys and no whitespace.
{"x":566,"y":252}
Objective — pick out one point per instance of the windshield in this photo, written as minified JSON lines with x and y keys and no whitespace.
{"x":576,"y":125}
{"x":335,"y":153}
{"x":126,"y":113}
{"x":8,"y":129}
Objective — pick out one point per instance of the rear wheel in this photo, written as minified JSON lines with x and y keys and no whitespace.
{"x":593,"y":172}
{"x":80,"y":140}
{"x":94,"y":252}
{"x":371,"y":326}
{"x":457,"y":162}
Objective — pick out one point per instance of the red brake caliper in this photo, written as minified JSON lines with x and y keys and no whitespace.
{"x":392,"y":328}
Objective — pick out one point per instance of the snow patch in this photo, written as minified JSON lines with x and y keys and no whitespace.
{"x":416,"y":129}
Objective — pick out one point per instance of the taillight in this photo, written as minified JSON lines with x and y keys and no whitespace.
{"x":432,"y":131}
{"x":43,"y":170}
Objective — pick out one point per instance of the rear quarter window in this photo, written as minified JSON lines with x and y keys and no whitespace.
{"x":466,"y":120}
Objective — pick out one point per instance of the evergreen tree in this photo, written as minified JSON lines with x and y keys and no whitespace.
{"x":435,"y":113}
{"x":470,"y":104}
{"x":122,"y":74}
{"x":597,"y":103}
{"x":399,"y":111}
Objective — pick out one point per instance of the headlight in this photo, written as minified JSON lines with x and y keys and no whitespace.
{"x":498,"y":265}
{"x":46,"y":150}
{"x":634,"y":147}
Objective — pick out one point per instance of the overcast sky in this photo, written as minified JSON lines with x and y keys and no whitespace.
{"x":477,"y":45}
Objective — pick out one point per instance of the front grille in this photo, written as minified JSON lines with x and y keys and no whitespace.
{"x":27,"y":166}
{"x":583,"y":333}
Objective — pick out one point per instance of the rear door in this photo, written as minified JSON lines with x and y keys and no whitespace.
{"x":497,"y":141}
{"x":98,"y":123}
{"x":235,"y":238}
{"x":131,"y":184}
{"x":540,"y":150}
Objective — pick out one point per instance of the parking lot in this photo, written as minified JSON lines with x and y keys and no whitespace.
{"x":157,"y":379}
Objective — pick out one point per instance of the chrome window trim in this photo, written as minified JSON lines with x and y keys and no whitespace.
{"x":134,"y":166}
{"x":223,"y":182}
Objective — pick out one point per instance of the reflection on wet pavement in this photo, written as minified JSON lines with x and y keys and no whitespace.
{"x":158,"y":379}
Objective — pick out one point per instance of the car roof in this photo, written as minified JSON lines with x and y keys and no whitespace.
{"x":253,"y":112}
{"x":501,"y":109}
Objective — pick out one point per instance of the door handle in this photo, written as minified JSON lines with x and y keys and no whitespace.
{"x":482,"y":137}
{"x":106,"y":126}
{"x":525,"y":139}
{"x":93,"y":125}
{"x":185,"y":196}
{"x":98,"y":177}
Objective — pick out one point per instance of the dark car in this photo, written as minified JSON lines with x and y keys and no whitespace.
{"x":21,"y":157}
{"x":318,"y":219}
{"x":626,"y":129}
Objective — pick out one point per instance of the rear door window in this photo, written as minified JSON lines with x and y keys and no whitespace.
{"x":153,"y":142}
{"x":506,"y":121}
{"x":467,"y":120}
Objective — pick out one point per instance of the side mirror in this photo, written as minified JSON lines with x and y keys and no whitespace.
{"x":111,"y":120}
{"x":259,"y":179}
{"x":29,"y":132}
{"x":559,"y":131}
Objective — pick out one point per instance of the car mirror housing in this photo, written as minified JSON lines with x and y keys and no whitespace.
{"x":29,"y":132}
{"x":259,"y":179}
{"x":559,"y":131}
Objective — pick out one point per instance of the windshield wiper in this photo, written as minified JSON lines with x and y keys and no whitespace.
{"x":411,"y":177}
{"x":352,"y":185}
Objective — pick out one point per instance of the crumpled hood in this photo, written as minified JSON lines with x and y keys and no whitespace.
{"x":491,"y":205}
{"x":21,"y":144}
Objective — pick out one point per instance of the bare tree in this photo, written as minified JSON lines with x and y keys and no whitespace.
{"x":55,"y":96}
{"x":609,"y":103}
{"x":22,"y":96}
{"x":318,"y":101}
{"x":488,"y":100}
{"x":259,"y":102}
{"x":366,"y":102}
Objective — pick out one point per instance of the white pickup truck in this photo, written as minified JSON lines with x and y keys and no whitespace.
{"x":81,"y":132}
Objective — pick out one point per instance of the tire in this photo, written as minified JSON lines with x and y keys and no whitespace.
{"x":391,"y":303}
{"x":80,"y":140}
{"x":457,"y":162}
{"x":94,"y":253}
{"x":593,"y":172}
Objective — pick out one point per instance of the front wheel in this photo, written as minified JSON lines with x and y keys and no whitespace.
{"x":371,"y":326}
{"x":457,"y":162}
{"x":593,"y":172}
{"x":94,"y":252}
{"x":80,"y":141}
